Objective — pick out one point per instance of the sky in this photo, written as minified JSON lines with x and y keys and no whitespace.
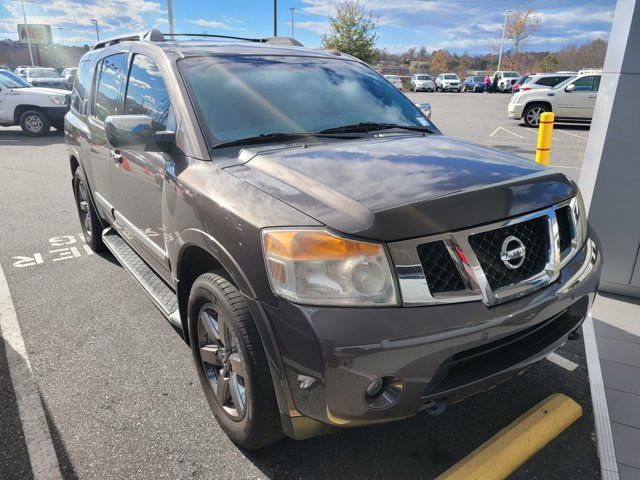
{"x":457,"y":25}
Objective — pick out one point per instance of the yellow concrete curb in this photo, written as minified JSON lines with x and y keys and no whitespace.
{"x":503,"y":453}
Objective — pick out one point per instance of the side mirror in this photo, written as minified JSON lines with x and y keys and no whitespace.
{"x":136,"y":132}
{"x":570,"y":88}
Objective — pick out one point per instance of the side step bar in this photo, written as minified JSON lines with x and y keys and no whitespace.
{"x":161,"y":294}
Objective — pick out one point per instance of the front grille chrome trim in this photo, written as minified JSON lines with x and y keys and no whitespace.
{"x":413,"y":284}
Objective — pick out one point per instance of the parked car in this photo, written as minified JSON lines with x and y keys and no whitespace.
{"x":505,"y":80}
{"x":69,"y":74}
{"x":425,"y":108}
{"x":395,"y":81}
{"x":516,"y":86}
{"x":35,"y":109}
{"x":42,"y":77}
{"x":545,"y":80}
{"x":4,"y":67}
{"x":571,"y":101}
{"x":473,"y":84}
{"x":448,"y":82}
{"x":329,"y":256}
{"x":422,"y":82}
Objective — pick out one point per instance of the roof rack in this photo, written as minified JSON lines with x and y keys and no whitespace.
{"x":156,"y":36}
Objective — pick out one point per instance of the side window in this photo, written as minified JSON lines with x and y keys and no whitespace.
{"x":81,"y":86}
{"x":147,"y":93}
{"x":587,"y":84}
{"x":546,"y":81}
{"x":108,"y":87}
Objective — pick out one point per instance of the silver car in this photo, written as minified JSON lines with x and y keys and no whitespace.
{"x":545,"y":80}
{"x":43,"y":77}
{"x":395,"y":81}
{"x":422,"y":82}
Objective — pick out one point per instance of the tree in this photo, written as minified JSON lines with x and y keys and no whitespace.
{"x":521,"y":25}
{"x":440,"y":62}
{"x":548,"y":63}
{"x":352,"y":30}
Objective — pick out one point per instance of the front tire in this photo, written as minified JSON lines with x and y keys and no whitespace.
{"x":532,"y":114}
{"x":89,"y":221}
{"x":231,"y":363}
{"x":35,"y":123}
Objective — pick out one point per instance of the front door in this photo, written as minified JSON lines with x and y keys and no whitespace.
{"x":580,"y":102}
{"x":107,"y":100}
{"x":137,"y":178}
{"x":3,"y":103}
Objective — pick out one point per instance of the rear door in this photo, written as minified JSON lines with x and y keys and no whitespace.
{"x":106,"y":100}
{"x":138,"y":179}
{"x":580,"y":102}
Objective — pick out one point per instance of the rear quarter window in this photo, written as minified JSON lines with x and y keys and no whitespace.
{"x":81,"y":86}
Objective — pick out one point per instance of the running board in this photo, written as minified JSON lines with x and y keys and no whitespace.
{"x":161,"y":294}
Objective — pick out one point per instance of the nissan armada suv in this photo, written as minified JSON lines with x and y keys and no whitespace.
{"x":329,"y":256}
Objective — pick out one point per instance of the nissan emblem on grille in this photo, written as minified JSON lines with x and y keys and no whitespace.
{"x":513,"y":252}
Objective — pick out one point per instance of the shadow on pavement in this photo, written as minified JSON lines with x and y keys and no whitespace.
{"x":14,"y":136}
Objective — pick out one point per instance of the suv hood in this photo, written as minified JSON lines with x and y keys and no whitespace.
{"x":401,"y":186}
{"x":41,"y":91}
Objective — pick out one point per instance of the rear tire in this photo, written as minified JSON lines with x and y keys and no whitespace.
{"x":35,"y":123}
{"x":89,"y":221}
{"x":532,"y":113}
{"x":227,"y":348}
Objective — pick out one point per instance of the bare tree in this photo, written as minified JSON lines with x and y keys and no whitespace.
{"x":521,"y":25}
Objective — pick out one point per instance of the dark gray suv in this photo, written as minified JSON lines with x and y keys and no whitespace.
{"x":330,"y":257}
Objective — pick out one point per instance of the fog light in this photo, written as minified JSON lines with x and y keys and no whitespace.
{"x":374,"y":388}
{"x":384,"y":392}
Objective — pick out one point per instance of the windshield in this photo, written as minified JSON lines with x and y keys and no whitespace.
{"x":423,"y":77}
{"x":9,"y":80}
{"x":563,"y":83}
{"x":451,"y":77}
{"x":245,"y":96}
{"x":477,"y":79}
{"x":43,"y":73}
{"x":511,"y":74}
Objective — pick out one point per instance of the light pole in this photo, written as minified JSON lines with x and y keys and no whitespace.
{"x":61,"y":37}
{"x":94,"y":21}
{"x":26,"y":29}
{"x":170,"y":14}
{"x":292,"y":9}
{"x":504,"y":29}
{"x":275,"y":18}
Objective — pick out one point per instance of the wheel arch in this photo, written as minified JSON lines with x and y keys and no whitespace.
{"x":538,"y":102}
{"x":20,"y":109}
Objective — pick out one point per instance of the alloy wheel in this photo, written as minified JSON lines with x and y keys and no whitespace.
{"x":533,"y":115}
{"x":223,"y":362}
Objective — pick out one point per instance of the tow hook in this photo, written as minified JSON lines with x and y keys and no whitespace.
{"x":436,"y":407}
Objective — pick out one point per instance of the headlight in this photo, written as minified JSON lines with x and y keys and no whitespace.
{"x":315,"y":267}
{"x":57,"y":100}
{"x":580,"y":215}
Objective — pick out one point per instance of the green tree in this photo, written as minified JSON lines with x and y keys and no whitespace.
{"x":548,"y":63}
{"x":352,"y":30}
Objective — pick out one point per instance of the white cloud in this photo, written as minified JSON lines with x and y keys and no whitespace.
{"x":201,"y":22}
{"x":313,"y":26}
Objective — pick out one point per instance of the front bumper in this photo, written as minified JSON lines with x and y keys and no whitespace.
{"x":447,"y":87}
{"x":424,"y":87}
{"x":515,"y":111}
{"x":445,"y":352}
{"x":56,"y":114}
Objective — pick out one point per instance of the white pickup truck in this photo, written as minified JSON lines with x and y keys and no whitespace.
{"x":35,"y":109}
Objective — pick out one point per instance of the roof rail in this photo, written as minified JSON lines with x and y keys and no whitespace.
{"x":150,"y":35}
{"x":156,"y":36}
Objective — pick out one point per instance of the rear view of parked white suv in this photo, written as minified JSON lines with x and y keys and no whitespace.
{"x":448,"y":82}
{"x":571,"y":101}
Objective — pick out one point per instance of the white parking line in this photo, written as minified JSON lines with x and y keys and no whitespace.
{"x":42,"y":455}
{"x":504,"y":129}
{"x":562,"y":362}
{"x":572,"y":134}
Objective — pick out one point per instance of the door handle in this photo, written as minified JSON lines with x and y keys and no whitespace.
{"x":116,"y":156}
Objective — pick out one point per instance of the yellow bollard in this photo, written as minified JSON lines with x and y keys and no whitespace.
{"x":543,"y":151}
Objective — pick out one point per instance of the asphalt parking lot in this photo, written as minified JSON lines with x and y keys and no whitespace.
{"x":122,"y":398}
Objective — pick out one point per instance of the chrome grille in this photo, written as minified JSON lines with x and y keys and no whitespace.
{"x":487,"y":246}
{"x":425,"y":273}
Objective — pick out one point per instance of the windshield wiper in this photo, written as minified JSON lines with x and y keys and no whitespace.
{"x":273,"y":137}
{"x":372,"y":126}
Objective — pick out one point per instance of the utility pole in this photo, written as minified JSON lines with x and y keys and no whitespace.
{"x":275,"y":18}
{"x":61,"y":37}
{"x":170,"y":13}
{"x":504,"y":29}
{"x":292,"y":10}
{"x":26,"y":29}
{"x":96,"y":24}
